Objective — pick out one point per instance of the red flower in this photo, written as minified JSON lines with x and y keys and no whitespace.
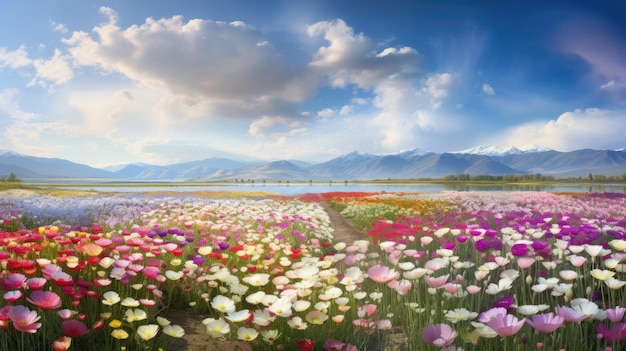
{"x":305,"y":345}
{"x":74,"y":328}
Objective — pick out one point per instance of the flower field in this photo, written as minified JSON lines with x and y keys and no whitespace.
{"x":453,"y":271}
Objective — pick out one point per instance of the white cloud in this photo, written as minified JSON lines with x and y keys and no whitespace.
{"x":14,"y":59}
{"x":56,"y":70}
{"x":58,"y":27}
{"x":326,"y":113}
{"x":197,"y":59}
{"x":351,"y":58}
{"x":9,"y":106}
{"x":487,"y":89}
{"x":272,"y":126}
{"x":589,"y":128}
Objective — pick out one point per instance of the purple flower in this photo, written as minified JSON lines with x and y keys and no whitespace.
{"x":519,"y":250}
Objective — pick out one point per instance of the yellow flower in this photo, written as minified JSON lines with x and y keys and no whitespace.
{"x":119,"y":334}
{"x":602,"y":274}
{"x":618,"y":244}
{"x":115,"y":323}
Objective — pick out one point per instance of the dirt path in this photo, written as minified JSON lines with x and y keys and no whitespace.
{"x":196,"y":338}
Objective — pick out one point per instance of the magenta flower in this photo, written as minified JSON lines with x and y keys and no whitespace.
{"x":382,"y":274}
{"x":614,"y":333}
{"x":74,"y":328}
{"x":439,"y":335}
{"x":24,"y":319}
{"x":545,"y":322}
{"x":46,"y":300}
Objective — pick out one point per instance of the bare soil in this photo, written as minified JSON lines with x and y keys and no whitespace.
{"x":196,"y":338}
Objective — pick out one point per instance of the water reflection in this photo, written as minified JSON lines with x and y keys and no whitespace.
{"x":303,"y":188}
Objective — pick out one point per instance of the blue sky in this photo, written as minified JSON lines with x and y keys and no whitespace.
{"x":108,"y":82}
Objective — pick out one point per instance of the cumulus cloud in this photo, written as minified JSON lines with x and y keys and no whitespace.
{"x":487,"y":89}
{"x":197,"y":58}
{"x":589,"y":128}
{"x":351,"y":58}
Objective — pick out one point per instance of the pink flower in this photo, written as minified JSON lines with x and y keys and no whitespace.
{"x":502,"y":323}
{"x":437,"y":282}
{"x":24,"y":319}
{"x":336,"y":345}
{"x":74,"y":328}
{"x":382,"y":274}
{"x":46,"y":300}
{"x":61,"y":279}
{"x":36,"y":283}
{"x":439,"y":335}
{"x":151,"y":272}
{"x":13,"y":281}
{"x":615,"y":314}
{"x":545,"y":322}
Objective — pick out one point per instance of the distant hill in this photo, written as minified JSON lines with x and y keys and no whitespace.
{"x":408,"y":164}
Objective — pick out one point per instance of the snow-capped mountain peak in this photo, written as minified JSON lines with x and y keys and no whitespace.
{"x":494,"y":150}
{"x":534,"y":148}
{"x":410,"y":153}
{"x":355,"y":155}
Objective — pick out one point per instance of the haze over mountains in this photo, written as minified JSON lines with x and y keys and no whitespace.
{"x":410,"y":164}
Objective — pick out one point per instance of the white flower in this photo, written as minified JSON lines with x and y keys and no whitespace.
{"x":460,"y":314}
{"x":247,"y":334}
{"x":148,"y":331}
{"x":175,"y":331}
{"x":110,"y":298}
{"x":217,"y":328}
{"x":529,"y":310}
{"x":223,"y":304}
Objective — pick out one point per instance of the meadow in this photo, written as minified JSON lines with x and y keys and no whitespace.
{"x":447,"y":270}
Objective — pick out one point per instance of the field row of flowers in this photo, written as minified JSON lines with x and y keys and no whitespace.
{"x":470,"y":271}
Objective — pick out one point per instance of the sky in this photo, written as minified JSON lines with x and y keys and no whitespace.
{"x":163,"y":82}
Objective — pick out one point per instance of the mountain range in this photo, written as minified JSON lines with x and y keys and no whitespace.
{"x":409,"y":164}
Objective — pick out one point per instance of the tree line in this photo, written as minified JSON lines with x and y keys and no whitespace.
{"x":536,"y":177}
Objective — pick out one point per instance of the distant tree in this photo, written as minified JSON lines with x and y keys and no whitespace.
{"x":590,"y":176}
{"x":12,"y":178}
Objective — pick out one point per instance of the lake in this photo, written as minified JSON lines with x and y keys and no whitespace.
{"x":294,"y":189}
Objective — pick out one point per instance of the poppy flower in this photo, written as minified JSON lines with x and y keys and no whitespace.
{"x":74,"y":328}
{"x":305,"y":345}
